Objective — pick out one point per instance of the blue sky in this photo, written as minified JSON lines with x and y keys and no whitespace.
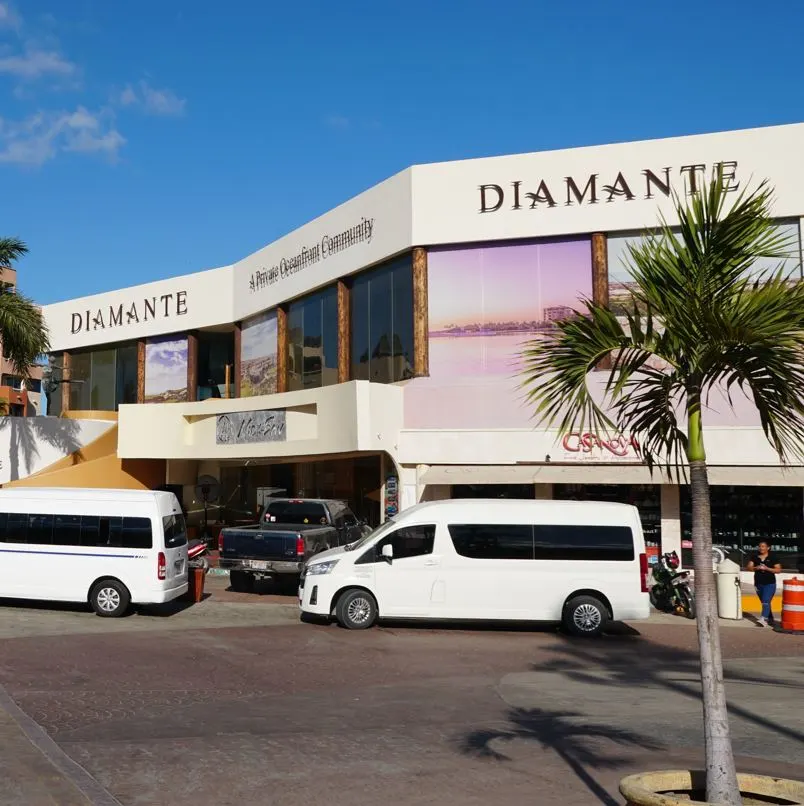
{"x":143,"y":140}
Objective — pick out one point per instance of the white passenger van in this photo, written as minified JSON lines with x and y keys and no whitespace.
{"x":579,"y":563}
{"x":110,"y":548}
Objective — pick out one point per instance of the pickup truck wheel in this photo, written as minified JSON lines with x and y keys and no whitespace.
{"x":241,"y":581}
{"x":356,"y":610}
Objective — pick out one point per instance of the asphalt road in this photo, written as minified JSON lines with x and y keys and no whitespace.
{"x":234,"y":701}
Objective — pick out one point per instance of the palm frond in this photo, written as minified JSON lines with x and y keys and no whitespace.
{"x":23,"y":331}
{"x":11,"y":250}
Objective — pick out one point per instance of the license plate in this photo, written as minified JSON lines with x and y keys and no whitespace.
{"x":178,"y":566}
{"x":259,"y":565}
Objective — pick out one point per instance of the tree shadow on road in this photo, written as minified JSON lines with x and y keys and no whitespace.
{"x":576,"y":742}
{"x":646,"y":664}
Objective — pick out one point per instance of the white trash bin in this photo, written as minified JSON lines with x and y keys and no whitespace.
{"x":729,"y":592}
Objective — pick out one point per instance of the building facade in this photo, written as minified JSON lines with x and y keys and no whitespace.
{"x":372,"y":354}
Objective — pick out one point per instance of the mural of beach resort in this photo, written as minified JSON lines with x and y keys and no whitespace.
{"x":485,"y":303}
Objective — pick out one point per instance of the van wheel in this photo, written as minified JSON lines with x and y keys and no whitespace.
{"x":356,"y":610}
{"x":241,"y":581}
{"x":585,"y":616}
{"x":110,"y":598}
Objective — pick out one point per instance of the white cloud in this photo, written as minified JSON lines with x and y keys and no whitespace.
{"x":337,"y":122}
{"x":41,"y":136}
{"x":161,"y":102}
{"x":36,"y":63}
{"x":9,"y":17}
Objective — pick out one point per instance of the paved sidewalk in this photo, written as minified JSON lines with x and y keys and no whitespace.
{"x":35,"y":771}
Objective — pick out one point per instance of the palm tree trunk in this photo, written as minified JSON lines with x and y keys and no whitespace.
{"x":721,"y":774}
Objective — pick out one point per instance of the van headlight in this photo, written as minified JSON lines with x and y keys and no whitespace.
{"x":321,"y":568}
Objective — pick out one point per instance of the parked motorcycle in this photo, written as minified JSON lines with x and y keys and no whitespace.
{"x":671,"y":591}
{"x":196,"y":555}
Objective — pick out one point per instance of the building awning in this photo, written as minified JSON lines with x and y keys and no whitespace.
{"x":580,"y":473}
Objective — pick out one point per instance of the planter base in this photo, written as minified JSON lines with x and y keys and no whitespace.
{"x":688,"y":787}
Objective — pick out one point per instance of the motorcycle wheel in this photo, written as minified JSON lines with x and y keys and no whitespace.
{"x":687,"y":601}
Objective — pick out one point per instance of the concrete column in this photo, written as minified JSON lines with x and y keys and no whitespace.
{"x":282,"y":349}
{"x":671,"y":519}
{"x":544,"y":492}
{"x":421,"y":334}
{"x":344,"y":332}
{"x":65,"y":387}
{"x":238,"y":347}
{"x":141,"y":371}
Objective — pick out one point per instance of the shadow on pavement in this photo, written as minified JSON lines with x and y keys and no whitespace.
{"x":615,"y":629}
{"x":654,"y":665}
{"x":576,"y":743}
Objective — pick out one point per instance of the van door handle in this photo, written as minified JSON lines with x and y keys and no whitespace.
{"x":433,"y":562}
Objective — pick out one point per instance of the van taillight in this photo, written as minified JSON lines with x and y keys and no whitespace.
{"x":643,"y":571}
{"x":300,"y":546}
{"x":220,"y":542}
{"x":161,"y":570}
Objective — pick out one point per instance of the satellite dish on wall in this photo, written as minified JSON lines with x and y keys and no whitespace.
{"x":208,"y":489}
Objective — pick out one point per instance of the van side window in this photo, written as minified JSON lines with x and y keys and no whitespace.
{"x":492,"y":541}
{"x":543,"y":542}
{"x":17,"y":531}
{"x":40,"y":530}
{"x":590,"y":543}
{"x":409,"y":541}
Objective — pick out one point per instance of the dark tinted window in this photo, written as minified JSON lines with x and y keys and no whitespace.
{"x":295,"y":512}
{"x":78,"y":530}
{"x":382,"y":323}
{"x":410,"y":541}
{"x":17,"y":530}
{"x":175,"y":531}
{"x":136,"y":533}
{"x":493,"y":542}
{"x":543,"y":542}
{"x":40,"y":530}
{"x":313,"y":340}
{"x":66,"y":530}
{"x":583,"y":543}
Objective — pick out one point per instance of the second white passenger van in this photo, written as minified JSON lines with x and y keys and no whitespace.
{"x":579,"y":563}
{"x":109,"y":548}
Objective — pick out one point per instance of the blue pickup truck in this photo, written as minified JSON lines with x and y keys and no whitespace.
{"x":289,"y":532}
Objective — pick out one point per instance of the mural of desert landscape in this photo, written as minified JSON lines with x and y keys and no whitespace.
{"x":258,"y":348}
{"x":166,"y":370}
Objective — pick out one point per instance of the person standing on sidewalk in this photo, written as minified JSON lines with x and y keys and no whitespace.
{"x":765,"y":567}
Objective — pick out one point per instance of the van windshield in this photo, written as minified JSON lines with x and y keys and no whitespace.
{"x":378,"y":532}
{"x":175,"y":531}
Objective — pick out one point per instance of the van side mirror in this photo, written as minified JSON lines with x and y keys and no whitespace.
{"x":387,"y":553}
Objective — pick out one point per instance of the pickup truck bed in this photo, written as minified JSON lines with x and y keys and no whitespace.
{"x":288,"y":533}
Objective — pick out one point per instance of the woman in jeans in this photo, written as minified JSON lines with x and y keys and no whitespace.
{"x":765,"y":567}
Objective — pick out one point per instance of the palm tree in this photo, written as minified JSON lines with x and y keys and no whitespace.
{"x":23,"y":332}
{"x":696,"y":309}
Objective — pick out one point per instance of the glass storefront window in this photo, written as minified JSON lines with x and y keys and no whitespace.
{"x":103,"y":384}
{"x":126,"y":386}
{"x":102,"y":379}
{"x":742,"y":516}
{"x":215,"y":353}
{"x":647,"y":498}
{"x":80,"y":375}
{"x":313,"y":340}
{"x":382,"y":323}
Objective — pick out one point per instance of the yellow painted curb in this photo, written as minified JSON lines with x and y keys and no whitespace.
{"x":751,"y":603}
